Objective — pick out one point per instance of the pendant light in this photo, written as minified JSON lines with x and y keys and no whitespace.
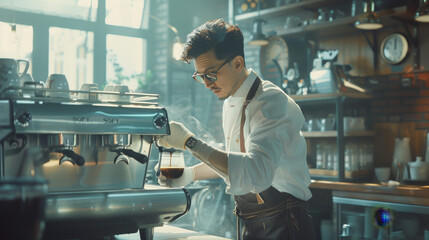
{"x":369,"y":21}
{"x":422,"y":13}
{"x":258,"y":38}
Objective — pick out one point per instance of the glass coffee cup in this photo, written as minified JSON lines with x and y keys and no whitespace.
{"x":172,"y":163}
{"x":22,"y":208}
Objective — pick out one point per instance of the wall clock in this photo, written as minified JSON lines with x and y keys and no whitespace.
{"x":394,"y":48}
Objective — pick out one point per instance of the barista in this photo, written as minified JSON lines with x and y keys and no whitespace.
{"x":264,"y":163}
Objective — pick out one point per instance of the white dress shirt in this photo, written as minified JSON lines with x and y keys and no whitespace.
{"x":275,"y":147}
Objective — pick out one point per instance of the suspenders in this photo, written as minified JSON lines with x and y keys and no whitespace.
{"x":249,"y":98}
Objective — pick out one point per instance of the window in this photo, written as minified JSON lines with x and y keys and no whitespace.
{"x":65,"y":31}
{"x":77,"y":9}
{"x":124,"y":60}
{"x":71,"y":53}
{"x":128,"y":13}
{"x":16,"y":42}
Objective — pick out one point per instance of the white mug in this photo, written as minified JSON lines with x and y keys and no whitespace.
{"x":122,"y":89}
{"x":106,"y":96}
{"x":88,"y":87}
{"x":57,"y":82}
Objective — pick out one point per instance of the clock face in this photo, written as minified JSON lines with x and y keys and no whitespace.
{"x":394,"y":48}
{"x":273,"y":57}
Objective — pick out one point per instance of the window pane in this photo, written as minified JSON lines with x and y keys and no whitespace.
{"x":79,"y":9}
{"x":127,"y":13}
{"x":125,"y":63}
{"x":71,"y":52}
{"x":16,"y":42}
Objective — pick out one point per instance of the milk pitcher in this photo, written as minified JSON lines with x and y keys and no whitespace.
{"x":401,"y":157}
{"x":10,"y":76}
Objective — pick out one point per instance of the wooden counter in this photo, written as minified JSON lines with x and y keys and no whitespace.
{"x":407,"y":194}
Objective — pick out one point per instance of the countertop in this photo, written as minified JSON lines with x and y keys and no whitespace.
{"x":411,"y":194}
{"x":168,"y":232}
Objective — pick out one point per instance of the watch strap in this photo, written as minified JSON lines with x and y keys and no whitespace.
{"x":191,"y":142}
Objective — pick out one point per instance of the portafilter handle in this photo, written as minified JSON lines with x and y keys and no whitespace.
{"x":78,"y":159}
{"x":141,"y":158}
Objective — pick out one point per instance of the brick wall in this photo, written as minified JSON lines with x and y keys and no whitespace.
{"x":400,"y":111}
{"x":394,"y":102}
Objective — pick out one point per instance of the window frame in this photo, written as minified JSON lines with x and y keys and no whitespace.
{"x":41,"y":24}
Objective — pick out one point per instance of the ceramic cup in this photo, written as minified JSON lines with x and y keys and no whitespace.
{"x":88,"y":87}
{"x":108,"y":97}
{"x":59,"y":83}
{"x":382,"y":174}
{"x":122,"y":89}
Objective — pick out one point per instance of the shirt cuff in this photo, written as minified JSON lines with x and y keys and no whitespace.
{"x":234,"y":180}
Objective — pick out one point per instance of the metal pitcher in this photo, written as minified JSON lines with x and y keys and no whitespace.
{"x":10,"y":76}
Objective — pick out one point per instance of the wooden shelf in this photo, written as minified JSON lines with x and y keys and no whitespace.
{"x":324,"y":134}
{"x":341,"y":26}
{"x":388,"y":17}
{"x":334,"y":173}
{"x":282,"y":10}
{"x":317,"y":96}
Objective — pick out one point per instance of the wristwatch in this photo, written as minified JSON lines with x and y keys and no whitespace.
{"x":191,"y":142}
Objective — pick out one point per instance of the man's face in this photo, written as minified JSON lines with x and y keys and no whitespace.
{"x":226,"y":83}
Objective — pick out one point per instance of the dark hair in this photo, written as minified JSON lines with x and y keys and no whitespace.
{"x":224,"y":38}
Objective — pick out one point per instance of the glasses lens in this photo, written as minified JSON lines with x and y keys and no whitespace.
{"x":199,"y":78}
{"x":211,"y":77}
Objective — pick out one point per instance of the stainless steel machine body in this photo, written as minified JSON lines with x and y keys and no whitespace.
{"x":94,"y":156}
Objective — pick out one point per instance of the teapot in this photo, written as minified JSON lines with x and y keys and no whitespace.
{"x":10,"y":76}
{"x":419,"y":169}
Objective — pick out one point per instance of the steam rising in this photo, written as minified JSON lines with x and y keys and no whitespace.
{"x":210,"y":203}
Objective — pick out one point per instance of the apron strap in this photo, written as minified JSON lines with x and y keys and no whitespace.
{"x":249,"y":98}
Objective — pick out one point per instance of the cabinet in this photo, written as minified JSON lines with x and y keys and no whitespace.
{"x":339,"y":106}
{"x":356,"y":218}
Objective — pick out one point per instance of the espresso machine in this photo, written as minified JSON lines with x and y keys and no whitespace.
{"x":94,"y":154}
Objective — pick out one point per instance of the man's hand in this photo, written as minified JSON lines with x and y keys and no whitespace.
{"x":187,"y":177}
{"x":177,"y":138}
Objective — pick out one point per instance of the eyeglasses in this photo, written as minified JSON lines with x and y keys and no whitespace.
{"x":212,"y":76}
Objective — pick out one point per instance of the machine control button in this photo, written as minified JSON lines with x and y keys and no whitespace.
{"x":23,"y":118}
{"x":159,"y":120}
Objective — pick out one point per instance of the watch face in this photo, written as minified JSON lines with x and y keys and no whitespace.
{"x":191,"y":142}
{"x":274,"y":60}
{"x":394,"y":48}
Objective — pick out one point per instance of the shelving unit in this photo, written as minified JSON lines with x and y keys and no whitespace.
{"x":324,"y":134}
{"x":315,"y":31}
{"x":342,"y":25}
{"x":339,"y":100}
{"x":283,"y":10}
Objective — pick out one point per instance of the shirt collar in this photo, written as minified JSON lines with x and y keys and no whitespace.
{"x":244,"y":89}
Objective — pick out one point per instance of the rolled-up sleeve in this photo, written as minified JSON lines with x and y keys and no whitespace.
{"x":273,"y":121}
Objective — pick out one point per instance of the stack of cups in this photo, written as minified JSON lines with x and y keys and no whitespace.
{"x":88,"y":87}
